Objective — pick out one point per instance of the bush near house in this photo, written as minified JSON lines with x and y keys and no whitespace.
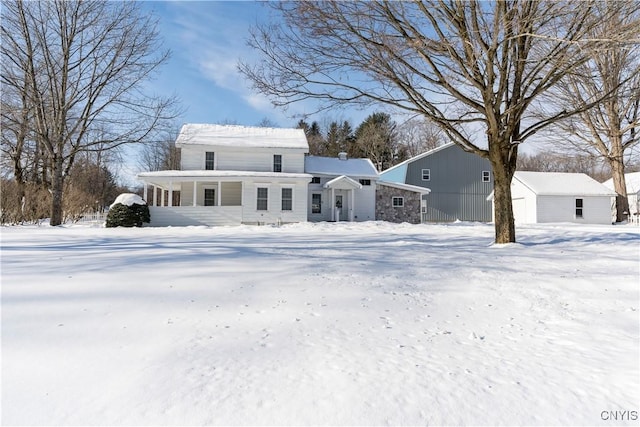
{"x":129,"y":210}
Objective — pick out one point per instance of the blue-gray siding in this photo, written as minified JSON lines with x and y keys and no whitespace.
{"x":457,"y":189}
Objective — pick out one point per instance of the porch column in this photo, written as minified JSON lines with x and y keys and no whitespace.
{"x":155,"y":195}
{"x":170,"y":193}
{"x":195,"y":187}
{"x":352,"y":204}
{"x":219,"y":194}
{"x":162,"y":197}
{"x":332,"y":204}
{"x":144,"y":195}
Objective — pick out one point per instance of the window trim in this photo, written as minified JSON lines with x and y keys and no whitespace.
{"x":258,"y":198}
{"x":487,"y":177}
{"x":399,"y":199}
{"x":278,"y":164}
{"x":212,"y":162}
{"x":579,"y":205}
{"x":428,"y":178}
{"x":282,"y":199}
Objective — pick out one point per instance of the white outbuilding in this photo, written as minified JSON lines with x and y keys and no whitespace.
{"x":540,"y":197}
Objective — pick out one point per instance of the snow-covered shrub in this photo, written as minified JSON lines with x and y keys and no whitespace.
{"x":128,"y":210}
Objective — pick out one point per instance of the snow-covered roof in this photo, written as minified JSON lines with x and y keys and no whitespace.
{"x":562,"y":184}
{"x":632,"y":180}
{"x":241,"y":136}
{"x":408,"y":187}
{"x":362,"y":168}
{"x":128,"y":199}
{"x":343,"y":181}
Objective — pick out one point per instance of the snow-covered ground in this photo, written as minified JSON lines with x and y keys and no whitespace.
{"x":359,"y":324}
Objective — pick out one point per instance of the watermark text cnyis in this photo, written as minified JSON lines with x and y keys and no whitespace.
{"x":619,"y":415}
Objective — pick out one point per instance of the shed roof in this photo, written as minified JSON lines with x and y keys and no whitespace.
{"x":408,"y":187}
{"x":334,"y":166}
{"x":632,"y":180}
{"x":398,"y":172}
{"x":241,"y":136}
{"x":562,"y":184}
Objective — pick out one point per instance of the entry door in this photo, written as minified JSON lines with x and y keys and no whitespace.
{"x":340,"y":203}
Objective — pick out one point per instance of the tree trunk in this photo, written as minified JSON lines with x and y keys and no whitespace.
{"x":620,"y":187}
{"x":57,"y":185}
{"x":503,"y":166}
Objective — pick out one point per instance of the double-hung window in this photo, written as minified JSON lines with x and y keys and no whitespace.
{"x":263,"y":199}
{"x":209,"y":161}
{"x":277,"y":163}
{"x":579,"y":207}
{"x":397,"y":202}
{"x":486,"y":176}
{"x":287,"y":199}
{"x":209,"y":197}
{"x":426,"y":174}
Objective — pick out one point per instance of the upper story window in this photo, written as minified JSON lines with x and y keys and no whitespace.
{"x":315,"y":180}
{"x":486,"y":176}
{"x":365,"y":181}
{"x":426,"y":174}
{"x":579,"y":206}
{"x":209,"y":161}
{"x":277,"y":163}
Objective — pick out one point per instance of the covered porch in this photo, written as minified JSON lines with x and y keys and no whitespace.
{"x":179,"y":198}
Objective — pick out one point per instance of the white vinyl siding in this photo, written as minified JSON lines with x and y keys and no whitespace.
{"x":248,"y":159}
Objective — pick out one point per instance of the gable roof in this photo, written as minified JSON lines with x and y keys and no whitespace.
{"x":337,"y":167}
{"x":397,"y":173}
{"x":632,"y":180}
{"x":562,"y":184}
{"x":241,"y":136}
{"x":343,"y":182}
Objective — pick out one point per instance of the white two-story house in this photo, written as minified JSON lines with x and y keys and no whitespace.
{"x":231,"y":175}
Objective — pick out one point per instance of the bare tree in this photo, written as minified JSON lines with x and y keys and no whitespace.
{"x":161,"y":154}
{"x":611,"y":128}
{"x":473,"y":68}
{"x":419,"y":135}
{"x":80,"y":65}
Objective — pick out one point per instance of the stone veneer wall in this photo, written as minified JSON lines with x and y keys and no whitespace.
{"x":386,"y":212}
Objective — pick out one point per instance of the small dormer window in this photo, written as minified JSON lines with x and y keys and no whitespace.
{"x":365,"y":182}
{"x":277,"y":163}
{"x":209,"y":162}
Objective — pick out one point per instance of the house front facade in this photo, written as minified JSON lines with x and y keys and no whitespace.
{"x":541,"y":197}
{"x":460,"y":183}
{"x":231,"y":175}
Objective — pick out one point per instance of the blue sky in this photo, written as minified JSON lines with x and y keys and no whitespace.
{"x":207,"y":39}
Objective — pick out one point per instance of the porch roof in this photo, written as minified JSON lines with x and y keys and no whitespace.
{"x":343,"y":182}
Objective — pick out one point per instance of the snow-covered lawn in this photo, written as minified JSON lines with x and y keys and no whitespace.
{"x":359,"y":324}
